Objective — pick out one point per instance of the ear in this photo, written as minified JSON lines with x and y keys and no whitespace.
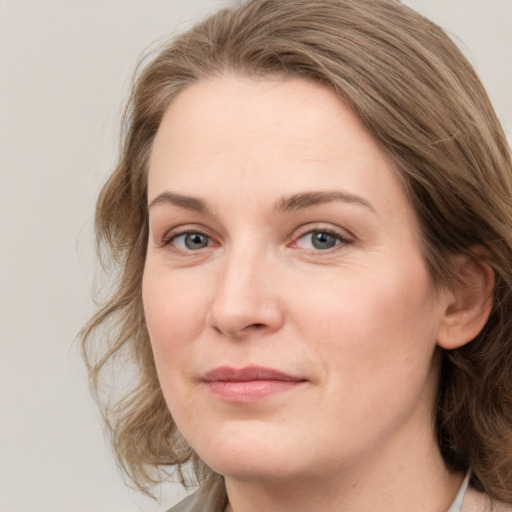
{"x":469,"y":300}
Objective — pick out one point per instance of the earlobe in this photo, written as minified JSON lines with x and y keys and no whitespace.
{"x":469,"y":302}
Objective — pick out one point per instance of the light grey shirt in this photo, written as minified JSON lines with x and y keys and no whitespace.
{"x":205,"y":499}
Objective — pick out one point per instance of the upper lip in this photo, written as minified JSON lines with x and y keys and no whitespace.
{"x":246,"y":374}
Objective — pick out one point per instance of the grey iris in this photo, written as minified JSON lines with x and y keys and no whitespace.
{"x":194,"y":241}
{"x":321,"y":240}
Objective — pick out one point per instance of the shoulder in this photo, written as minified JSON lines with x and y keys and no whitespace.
{"x":478,"y":502}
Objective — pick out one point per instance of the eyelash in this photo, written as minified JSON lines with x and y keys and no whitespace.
{"x":342,"y":240}
{"x":171,"y":237}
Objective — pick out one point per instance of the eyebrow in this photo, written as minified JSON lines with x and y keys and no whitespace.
{"x":295,"y":202}
{"x":305,"y":200}
{"x":187,"y":202}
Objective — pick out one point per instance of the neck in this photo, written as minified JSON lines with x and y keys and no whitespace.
{"x":418,"y":480}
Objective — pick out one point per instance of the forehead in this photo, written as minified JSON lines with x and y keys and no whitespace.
{"x":293,"y":114}
{"x":235,"y":136}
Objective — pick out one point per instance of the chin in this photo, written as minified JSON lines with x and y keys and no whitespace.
{"x":246,"y":455}
{"x":256,"y":468}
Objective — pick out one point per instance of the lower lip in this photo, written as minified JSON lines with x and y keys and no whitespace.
{"x":249,"y":391}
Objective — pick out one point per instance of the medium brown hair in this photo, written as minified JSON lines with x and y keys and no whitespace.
{"x":422,"y":101}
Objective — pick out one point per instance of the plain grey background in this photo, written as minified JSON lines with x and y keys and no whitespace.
{"x":64,"y":73}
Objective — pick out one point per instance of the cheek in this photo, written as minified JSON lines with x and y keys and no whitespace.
{"x":374,"y":339}
{"x":174,"y":309}
{"x":373,"y":323}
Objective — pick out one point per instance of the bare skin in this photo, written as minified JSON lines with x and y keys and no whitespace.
{"x":281,"y":238}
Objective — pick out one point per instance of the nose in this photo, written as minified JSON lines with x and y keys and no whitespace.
{"x":247,"y":297}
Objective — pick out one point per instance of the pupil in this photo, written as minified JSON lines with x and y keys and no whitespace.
{"x":323,"y":240}
{"x":196,"y":241}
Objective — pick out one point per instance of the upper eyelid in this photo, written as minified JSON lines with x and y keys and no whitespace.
{"x":319,"y":227}
{"x":341,"y":240}
{"x":182,"y":230}
{"x":183,"y":233}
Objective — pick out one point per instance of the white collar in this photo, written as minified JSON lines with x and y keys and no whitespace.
{"x":456,"y":506}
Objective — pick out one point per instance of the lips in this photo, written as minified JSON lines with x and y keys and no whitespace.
{"x":249,"y":384}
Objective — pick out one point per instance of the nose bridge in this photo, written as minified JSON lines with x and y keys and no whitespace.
{"x":245,"y":297}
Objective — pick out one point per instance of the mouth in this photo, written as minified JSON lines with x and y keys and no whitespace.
{"x":248,"y":384}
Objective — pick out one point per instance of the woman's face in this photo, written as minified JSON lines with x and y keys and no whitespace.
{"x":292,"y":319}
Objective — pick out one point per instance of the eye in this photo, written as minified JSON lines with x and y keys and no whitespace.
{"x":190,"y":241}
{"x":321,"y":240}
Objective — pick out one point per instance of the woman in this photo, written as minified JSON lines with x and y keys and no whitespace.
{"x":312,"y":218}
